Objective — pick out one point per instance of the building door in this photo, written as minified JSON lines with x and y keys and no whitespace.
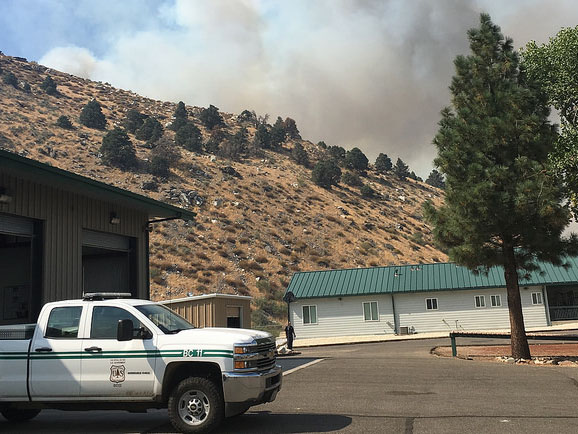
{"x":20,"y":269}
{"x":108,"y":263}
{"x":234,"y":317}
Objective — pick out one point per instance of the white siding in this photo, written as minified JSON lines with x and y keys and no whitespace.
{"x":456,"y":311}
{"x":342,"y":317}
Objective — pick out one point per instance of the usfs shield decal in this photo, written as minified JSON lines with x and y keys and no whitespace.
{"x":117,"y":373}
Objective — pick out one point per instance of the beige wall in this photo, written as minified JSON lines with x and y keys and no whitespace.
{"x":64,"y":215}
{"x":212,"y":311}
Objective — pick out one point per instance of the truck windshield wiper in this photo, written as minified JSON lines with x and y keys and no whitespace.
{"x":173,"y":332}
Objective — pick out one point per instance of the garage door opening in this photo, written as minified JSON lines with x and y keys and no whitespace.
{"x":108,"y":263}
{"x":20,"y":270}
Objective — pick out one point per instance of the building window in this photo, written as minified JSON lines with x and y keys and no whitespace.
{"x":496,"y":300}
{"x":536,"y":298}
{"x":480,"y":301}
{"x":309,"y":314}
{"x":431,"y":304}
{"x":370,"y":312}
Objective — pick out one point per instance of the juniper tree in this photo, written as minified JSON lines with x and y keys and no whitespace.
{"x":383,"y":163}
{"x":299,"y":154}
{"x":278,"y":133}
{"x":291,"y":129}
{"x":91,"y":116}
{"x":117,"y":149}
{"x":501,"y":208}
{"x":326,"y":174}
{"x":210,"y":117}
{"x":151,"y":130}
{"x":180,"y":117}
{"x":133,"y":120}
{"x":356,"y":160}
{"x":189,"y":137}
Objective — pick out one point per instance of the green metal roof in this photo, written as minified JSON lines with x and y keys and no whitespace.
{"x":44,"y":173}
{"x":417,"y":278}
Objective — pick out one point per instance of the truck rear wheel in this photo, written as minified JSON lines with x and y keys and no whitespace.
{"x":196,"y":405}
{"x":19,"y":414}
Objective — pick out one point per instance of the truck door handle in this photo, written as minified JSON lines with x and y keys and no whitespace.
{"x":93,"y":349}
{"x":43,"y":350}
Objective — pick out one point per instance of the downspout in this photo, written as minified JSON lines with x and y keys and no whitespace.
{"x":546,"y":305}
{"x":395,"y":324}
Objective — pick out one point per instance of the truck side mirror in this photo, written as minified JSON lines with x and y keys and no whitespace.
{"x":125,"y":329}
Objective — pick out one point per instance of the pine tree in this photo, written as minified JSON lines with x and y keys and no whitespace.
{"x":501,"y":206}
{"x":436,"y":179}
{"x":278,"y":133}
{"x":180,"y":117}
{"x":91,"y":116}
{"x":117,"y":149}
{"x":383,"y":163}
{"x":326,"y":173}
{"x":262,"y":137}
{"x":336,"y":153}
{"x":401,"y":170}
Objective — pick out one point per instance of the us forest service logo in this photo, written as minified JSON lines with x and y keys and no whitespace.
{"x":117,"y":373}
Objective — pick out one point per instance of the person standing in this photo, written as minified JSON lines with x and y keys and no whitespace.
{"x":290,"y":334}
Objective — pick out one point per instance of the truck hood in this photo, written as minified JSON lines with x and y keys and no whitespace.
{"x":215,"y":335}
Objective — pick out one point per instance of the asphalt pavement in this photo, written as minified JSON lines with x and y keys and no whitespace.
{"x":389,"y":387}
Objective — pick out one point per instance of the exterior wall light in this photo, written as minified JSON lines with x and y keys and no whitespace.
{"x":114,"y":219}
{"x":5,"y":198}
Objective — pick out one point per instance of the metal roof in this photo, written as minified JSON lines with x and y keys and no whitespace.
{"x":44,"y":173}
{"x":418,"y":278}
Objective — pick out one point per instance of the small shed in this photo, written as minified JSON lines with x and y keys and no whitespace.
{"x":214,"y":310}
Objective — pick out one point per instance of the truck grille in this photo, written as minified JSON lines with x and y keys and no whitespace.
{"x":259,"y":357}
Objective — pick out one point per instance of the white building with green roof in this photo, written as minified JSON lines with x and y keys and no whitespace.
{"x":425,"y":298}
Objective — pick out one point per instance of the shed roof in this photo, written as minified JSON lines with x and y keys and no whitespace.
{"x":45,"y":173}
{"x":418,"y":278}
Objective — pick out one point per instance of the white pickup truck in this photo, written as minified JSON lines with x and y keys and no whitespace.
{"x":105,"y":352}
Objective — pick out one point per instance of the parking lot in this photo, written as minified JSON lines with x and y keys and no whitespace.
{"x":393,"y":387}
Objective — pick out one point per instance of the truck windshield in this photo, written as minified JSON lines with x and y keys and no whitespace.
{"x":165,"y":319}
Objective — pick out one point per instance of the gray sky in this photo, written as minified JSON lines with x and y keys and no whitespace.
{"x":366,"y":73}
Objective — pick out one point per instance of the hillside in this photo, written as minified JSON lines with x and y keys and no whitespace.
{"x":260,"y":218}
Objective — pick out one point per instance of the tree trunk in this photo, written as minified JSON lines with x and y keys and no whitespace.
{"x":518,"y":341}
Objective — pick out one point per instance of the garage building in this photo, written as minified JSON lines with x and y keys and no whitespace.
{"x":424,"y":298}
{"x":62,"y":235}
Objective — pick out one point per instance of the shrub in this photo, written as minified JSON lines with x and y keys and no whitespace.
{"x":300,"y":155}
{"x":10,"y":79}
{"x":117,"y":149}
{"x":91,"y":116}
{"x":367,"y":191}
{"x":163,"y":157}
{"x":189,"y":137}
{"x":351,"y":179}
{"x":326,"y":173}
{"x":64,"y":122}
{"x":49,"y":86}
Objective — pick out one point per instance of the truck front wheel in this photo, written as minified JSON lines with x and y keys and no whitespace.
{"x":196,"y":405}
{"x":19,"y":414}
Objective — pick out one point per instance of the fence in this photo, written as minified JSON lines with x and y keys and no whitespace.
{"x":561,"y":313}
{"x":537,"y":336}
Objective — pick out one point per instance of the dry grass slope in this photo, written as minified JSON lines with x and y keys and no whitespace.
{"x":252,"y":232}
